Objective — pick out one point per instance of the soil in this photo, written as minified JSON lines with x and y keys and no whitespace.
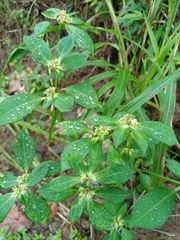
{"x":14,"y":30}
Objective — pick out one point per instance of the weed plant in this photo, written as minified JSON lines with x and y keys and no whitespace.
{"x":115,"y":151}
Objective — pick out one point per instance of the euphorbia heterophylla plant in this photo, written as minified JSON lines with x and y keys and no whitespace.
{"x":109,"y":151}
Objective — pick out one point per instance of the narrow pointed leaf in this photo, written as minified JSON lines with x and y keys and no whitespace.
{"x":77,"y":164}
{"x":62,"y":183}
{"x":9,"y":181}
{"x":113,"y":174}
{"x":153,"y":209}
{"x":120,"y":135}
{"x":37,"y":175}
{"x":113,"y":156}
{"x":94,"y":158}
{"x":56,"y":196}
{"x":112,"y":194}
{"x":40,"y":50}
{"x":6,"y":203}
{"x":103,"y":121}
{"x":24,"y":150}
{"x":76,"y":209}
{"x":16,"y":107}
{"x":140,"y":139}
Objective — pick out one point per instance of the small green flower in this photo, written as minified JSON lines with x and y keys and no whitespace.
{"x":63,"y":17}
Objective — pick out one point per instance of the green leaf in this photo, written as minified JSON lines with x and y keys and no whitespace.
{"x":76,"y":21}
{"x":140,"y":139}
{"x":113,"y":174}
{"x":159,"y":131}
{"x":73,"y":61}
{"x":55,"y":196}
{"x":145,"y":181}
{"x":64,"y":47}
{"x":173,"y":166}
{"x":6,"y":203}
{"x":112,"y":194}
{"x":77,"y":164}
{"x":40,"y":27}
{"x":153,"y":209}
{"x":16,"y":107}
{"x":41,"y":52}
{"x":111,"y":207}
{"x":79,"y":148}
{"x":18,"y":53}
{"x":120,"y":135}
{"x":9,"y":181}
{"x":37,"y":209}
{"x":99,"y":217}
{"x":79,"y":93}
{"x":122,"y":211}
{"x":63,"y":102}
{"x":51,"y":13}
{"x":103,"y":121}
{"x":94,"y":158}
{"x":37,"y":175}
{"x":114,"y":235}
{"x":24,"y":150}
{"x":113,"y":156}
{"x":53,"y":167}
{"x":62,"y":183}
{"x":72,"y":127}
{"x":126,"y":234}
{"x":76,"y":209}
{"x":82,"y":39}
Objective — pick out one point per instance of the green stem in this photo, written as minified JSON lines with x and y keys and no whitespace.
{"x":158,"y":175}
{"x":122,"y":53}
{"x":40,"y":131}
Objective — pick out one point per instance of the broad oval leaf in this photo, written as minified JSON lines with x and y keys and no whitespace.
{"x":84,"y":95}
{"x":16,"y":107}
{"x":78,"y":148}
{"x":103,"y":121}
{"x":24,"y":150}
{"x":73,"y":61}
{"x":6,"y":203}
{"x":152,"y":209}
{"x":112,"y":194}
{"x":113,"y":174}
{"x":72,"y":127}
{"x":9,"y":181}
{"x":53,"y":167}
{"x":99,"y":216}
{"x":76,"y":209}
{"x":63,"y":102}
{"x":51,"y":13}
{"x":37,"y":209}
{"x":40,"y":27}
{"x":64,"y":47}
{"x":55,"y":196}
{"x":40,"y":50}
{"x":82,"y":39}
{"x":77,"y":165}
{"x":159,"y":131}
{"x":140,"y":139}
{"x":173,"y":166}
